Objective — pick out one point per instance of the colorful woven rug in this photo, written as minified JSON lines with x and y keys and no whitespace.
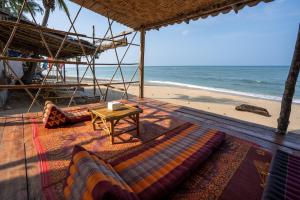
{"x":54,"y":146}
{"x":236,"y":170}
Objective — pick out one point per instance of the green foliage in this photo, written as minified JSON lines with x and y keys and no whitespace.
{"x":14,"y":6}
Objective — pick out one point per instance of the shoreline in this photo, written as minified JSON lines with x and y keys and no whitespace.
{"x":205,"y":88}
{"x":223,"y":91}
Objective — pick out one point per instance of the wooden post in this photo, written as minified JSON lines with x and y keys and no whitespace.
{"x":94,"y":70}
{"x":141,"y":65}
{"x":290,"y":84}
{"x":77,"y":69}
{"x":64,"y":72}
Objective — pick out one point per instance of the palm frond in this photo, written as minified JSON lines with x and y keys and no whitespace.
{"x":62,"y":5}
{"x":34,"y":7}
{"x":15,"y":6}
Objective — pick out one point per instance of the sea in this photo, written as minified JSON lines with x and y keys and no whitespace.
{"x":266,"y":82}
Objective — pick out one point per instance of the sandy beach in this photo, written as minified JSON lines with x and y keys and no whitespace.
{"x":221,"y":103}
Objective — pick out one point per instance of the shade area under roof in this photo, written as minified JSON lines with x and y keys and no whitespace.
{"x":153,"y":14}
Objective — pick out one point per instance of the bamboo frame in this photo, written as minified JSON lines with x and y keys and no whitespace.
{"x":57,"y":53}
{"x":90,"y":60}
{"x":106,"y":92}
{"x":117,"y":56}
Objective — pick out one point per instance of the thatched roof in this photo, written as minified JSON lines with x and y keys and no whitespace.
{"x":153,"y":14}
{"x":28,"y":39}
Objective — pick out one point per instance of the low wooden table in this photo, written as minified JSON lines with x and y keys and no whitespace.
{"x":104,"y":115}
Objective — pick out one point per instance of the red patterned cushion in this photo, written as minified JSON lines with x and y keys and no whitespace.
{"x":89,"y":177}
{"x":53,"y":116}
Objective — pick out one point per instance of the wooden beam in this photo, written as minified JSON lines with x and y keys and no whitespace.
{"x":141,"y":65}
{"x":57,"y":61}
{"x":33,"y":86}
{"x":290,"y":84}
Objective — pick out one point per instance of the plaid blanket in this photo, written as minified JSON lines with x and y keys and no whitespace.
{"x":284,"y":177}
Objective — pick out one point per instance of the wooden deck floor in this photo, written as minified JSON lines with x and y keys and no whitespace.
{"x":18,"y":171}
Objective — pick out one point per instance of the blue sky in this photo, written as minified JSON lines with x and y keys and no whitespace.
{"x":261,"y":35}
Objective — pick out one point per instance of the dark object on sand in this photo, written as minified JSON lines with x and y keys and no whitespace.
{"x":253,"y":109}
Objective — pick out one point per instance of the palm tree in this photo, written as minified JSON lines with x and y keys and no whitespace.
{"x":14,"y":6}
{"x":49,"y":5}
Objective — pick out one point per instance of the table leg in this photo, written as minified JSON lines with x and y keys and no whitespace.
{"x":112,"y":131}
{"x":93,"y":120}
{"x":138,"y":124}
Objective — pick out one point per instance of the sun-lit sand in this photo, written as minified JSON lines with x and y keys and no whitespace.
{"x":221,"y":103}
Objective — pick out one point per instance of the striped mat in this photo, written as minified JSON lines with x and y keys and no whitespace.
{"x":155,"y":170}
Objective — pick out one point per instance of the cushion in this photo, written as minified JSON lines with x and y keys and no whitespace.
{"x":78,"y":116}
{"x":157,"y":169}
{"x":284,"y":177}
{"x":53,"y":117}
{"x":89,"y":177}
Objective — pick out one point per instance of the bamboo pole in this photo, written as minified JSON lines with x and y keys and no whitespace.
{"x":56,"y":61}
{"x":33,"y":86}
{"x":64,"y":66}
{"x":290,"y":84}
{"x":94,"y":75}
{"x":141,"y":65}
{"x":106,"y":91}
{"x":77,"y":68}
{"x":117,"y":57}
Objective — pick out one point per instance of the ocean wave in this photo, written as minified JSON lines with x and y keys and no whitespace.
{"x":248,"y":94}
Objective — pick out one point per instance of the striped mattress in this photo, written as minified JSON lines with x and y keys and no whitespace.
{"x":154,"y":171}
{"x":150,"y":172}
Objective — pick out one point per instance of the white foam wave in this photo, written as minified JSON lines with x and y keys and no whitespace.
{"x":248,"y":94}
